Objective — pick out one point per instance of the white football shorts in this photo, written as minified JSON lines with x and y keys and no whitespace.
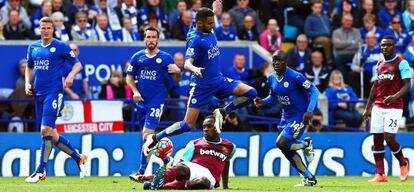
{"x":385,"y":120}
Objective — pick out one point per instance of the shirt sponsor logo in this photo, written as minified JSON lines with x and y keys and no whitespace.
{"x":386,"y":76}
{"x":213,"y":51}
{"x":284,"y":100}
{"x":148,"y":75}
{"x":41,"y":64}
{"x":214,"y":153}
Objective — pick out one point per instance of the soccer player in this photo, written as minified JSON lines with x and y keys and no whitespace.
{"x":151,"y":67}
{"x":298,"y":97}
{"x":204,"y":161}
{"x":202,"y":59}
{"x":391,"y":81}
{"x":46,"y":60}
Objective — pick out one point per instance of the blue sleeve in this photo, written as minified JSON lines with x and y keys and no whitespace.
{"x":133,"y":67}
{"x":232,"y":152}
{"x":69,"y":55}
{"x":375,"y":72}
{"x":29,"y":58}
{"x":188,"y":151}
{"x":168,"y":60}
{"x":271,"y":98}
{"x":83,"y":73}
{"x":192,"y":48}
{"x":404,"y":70}
{"x":310,"y":87}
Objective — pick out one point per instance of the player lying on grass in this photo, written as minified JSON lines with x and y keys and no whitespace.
{"x":205,"y":159}
{"x":298,"y":97}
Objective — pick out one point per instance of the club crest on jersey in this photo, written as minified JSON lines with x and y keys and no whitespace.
{"x":158,"y":60}
{"x":386,"y":76}
{"x":193,"y":100}
{"x":391,"y":68}
{"x":286,"y":84}
{"x":52,"y":50}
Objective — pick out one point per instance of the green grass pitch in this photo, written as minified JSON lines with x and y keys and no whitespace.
{"x":285,"y":184}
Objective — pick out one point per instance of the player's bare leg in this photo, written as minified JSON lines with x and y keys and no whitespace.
{"x":177,"y":128}
{"x":397,"y":152}
{"x":144,"y":162}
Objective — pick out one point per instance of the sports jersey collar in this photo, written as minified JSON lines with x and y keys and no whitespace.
{"x":212,"y":141}
{"x":391,"y":60}
{"x":41,"y":43}
{"x":152,"y":56}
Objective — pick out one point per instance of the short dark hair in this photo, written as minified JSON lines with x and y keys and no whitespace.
{"x":280,"y":54}
{"x":203,"y":13}
{"x":151,"y":29}
{"x":211,"y":117}
{"x":389,"y":37}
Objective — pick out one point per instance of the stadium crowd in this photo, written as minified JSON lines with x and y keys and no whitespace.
{"x":331,"y":42}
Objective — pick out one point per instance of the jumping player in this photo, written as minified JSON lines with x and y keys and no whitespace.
{"x":46,"y":60}
{"x":202,"y":59}
{"x":298,"y":97}
{"x":204,"y":161}
{"x":391,"y":81}
{"x":151,"y":67}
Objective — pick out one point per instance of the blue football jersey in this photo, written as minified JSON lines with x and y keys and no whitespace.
{"x":292,"y":91}
{"x":152,"y":74}
{"x":202,"y":47}
{"x":48,"y":63}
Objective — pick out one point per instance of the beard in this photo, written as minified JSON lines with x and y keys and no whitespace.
{"x":151,"y":46}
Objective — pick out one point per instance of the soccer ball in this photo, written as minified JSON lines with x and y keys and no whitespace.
{"x":164,"y":148}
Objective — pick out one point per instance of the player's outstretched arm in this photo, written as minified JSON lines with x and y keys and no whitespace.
{"x":371,"y":99}
{"x":131,"y":83}
{"x":28,"y":81}
{"x":69,"y":79}
{"x":173,"y":68}
{"x":225,"y":175}
{"x":188,"y":65}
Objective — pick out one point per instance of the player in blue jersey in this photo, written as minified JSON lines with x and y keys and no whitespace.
{"x":46,"y":60}
{"x":202,"y":59}
{"x":151,"y":67}
{"x":298,"y":97}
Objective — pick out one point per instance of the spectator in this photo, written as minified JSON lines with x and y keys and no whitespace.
{"x":81,"y":6}
{"x":82,"y":30}
{"x":15,"y":29}
{"x":195,"y":6}
{"x":386,"y":13}
{"x":184,"y":80}
{"x":115,"y":88}
{"x":154,"y":9}
{"x":364,"y":61}
{"x":238,"y":70}
{"x":317,"y":27}
{"x":369,"y":26}
{"x":175,"y":14}
{"x":44,"y":11}
{"x":218,"y":11}
{"x":240,"y":11}
{"x":15,"y":5}
{"x":346,"y":9}
{"x":343,"y":110}
{"x":113,"y":17}
{"x":401,"y":36}
{"x":369,"y":8}
{"x":1,"y":31}
{"x":271,"y":39}
{"x":128,"y":35}
{"x":346,"y":41}
{"x":60,"y":6}
{"x":318,"y":72}
{"x":80,"y":87}
{"x":182,"y":27}
{"x":298,"y":56}
{"x":153,"y":22}
{"x":261,"y":83}
{"x":408,"y":15}
{"x":409,"y":52}
{"x":22,"y":68}
{"x":316,"y":123}
{"x":296,"y":17}
{"x":226,"y":32}
{"x":60,"y":32}
{"x":103,"y":30}
{"x":129,"y":10}
{"x":248,"y":32}
{"x":233,"y":123}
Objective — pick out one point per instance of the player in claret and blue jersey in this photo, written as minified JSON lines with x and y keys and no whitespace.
{"x":298,"y":97}
{"x":151,"y":67}
{"x":202,"y":59}
{"x":46,"y":60}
